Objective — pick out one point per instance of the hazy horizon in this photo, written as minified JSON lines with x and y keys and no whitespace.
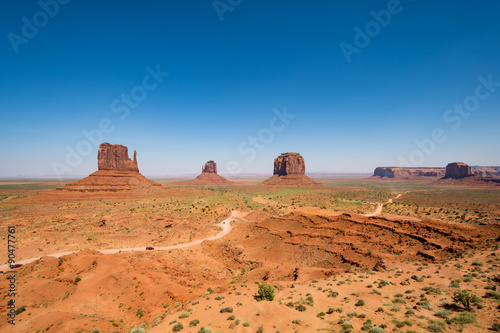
{"x":349,"y":85}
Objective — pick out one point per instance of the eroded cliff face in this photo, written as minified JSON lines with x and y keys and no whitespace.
{"x":289,"y":164}
{"x":115,"y":157}
{"x":396,"y":172}
{"x":458,"y":170}
{"x":209,"y":167}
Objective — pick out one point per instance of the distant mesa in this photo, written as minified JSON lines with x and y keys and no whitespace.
{"x":209,"y":176}
{"x":408,"y":173}
{"x":458,"y":170}
{"x":116,"y":173}
{"x":289,"y":170}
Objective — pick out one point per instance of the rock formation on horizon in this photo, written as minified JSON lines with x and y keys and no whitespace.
{"x":209,"y":175}
{"x":408,"y":173}
{"x":458,"y":170}
{"x":116,"y":173}
{"x":209,"y":167}
{"x":289,"y":170}
{"x":115,"y":157}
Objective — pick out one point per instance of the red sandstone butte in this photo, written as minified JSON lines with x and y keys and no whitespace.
{"x":289,"y":170}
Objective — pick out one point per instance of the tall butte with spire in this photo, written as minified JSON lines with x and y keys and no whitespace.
{"x":116,"y":172}
{"x":209,"y":175}
{"x":290,"y":170}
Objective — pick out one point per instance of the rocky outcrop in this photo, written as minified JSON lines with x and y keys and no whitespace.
{"x":209,"y":176}
{"x":115,"y":157}
{"x":408,"y":173}
{"x":289,"y":170}
{"x":116,"y":173}
{"x":289,"y":164}
{"x":209,"y":167}
{"x":458,"y":170}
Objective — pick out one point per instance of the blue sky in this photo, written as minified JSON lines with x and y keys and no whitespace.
{"x":225,"y":78}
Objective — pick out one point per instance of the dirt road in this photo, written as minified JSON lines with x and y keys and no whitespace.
{"x":380,"y":206}
{"x":225,"y":225}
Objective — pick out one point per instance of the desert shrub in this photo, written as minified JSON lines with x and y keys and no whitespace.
{"x":492,"y":294}
{"x":360,"y":302}
{"x":375,"y":329}
{"x":260,"y":329}
{"x":330,"y":310}
{"x":246,"y":323}
{"x":231,"y":317}
{"x":20,"y":310}
{"x":443,"y":314}
{"x":96,"y":330}
{"x":367,"y":325}
{"x":265,"y":292}
{"x":177,"y":327}
{"x":219,"y":298}
{"x":383,"y":283}
{"x":465,"y":317}
{"x":300,"y":308}
{"x":321,"y":315}
{"x":426,"y":305}
{"x":380,"y":310}
{"x":436,"y":326}
{"x":346,"y":328}
{"x":495,"y":327}
{"x":183,"y":315}
{"x":228,"y":310}
{"x":333,"y":294}
{"x":289,"y":304}
{"x":193,"y":323}
{"x":204,"y":330}
{"x":139,"y":313}
{"x":78,"y":279}
{"x":465,"y":300}
{"x":398,"y":300}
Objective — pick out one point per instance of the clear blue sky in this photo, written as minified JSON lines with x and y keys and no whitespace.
{"x":227,"y":76}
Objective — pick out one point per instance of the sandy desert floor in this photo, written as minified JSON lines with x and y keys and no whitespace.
{"x":331,"y":265}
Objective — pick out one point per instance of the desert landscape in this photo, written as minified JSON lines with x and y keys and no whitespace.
{"x":253,"y":166}
{"x":286,"y":254}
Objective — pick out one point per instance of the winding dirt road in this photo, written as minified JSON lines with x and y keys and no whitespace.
{"x":380,"y":206}
{"x":225,"y":225}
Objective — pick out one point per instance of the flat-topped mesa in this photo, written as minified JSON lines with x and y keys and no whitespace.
{"x":400,"y":172}
{"x":209,"y":167}
{"x":289,"y":170}
{"x":458,"y":170}
{"x":115,"y":157}
{"x":289,"y":164}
